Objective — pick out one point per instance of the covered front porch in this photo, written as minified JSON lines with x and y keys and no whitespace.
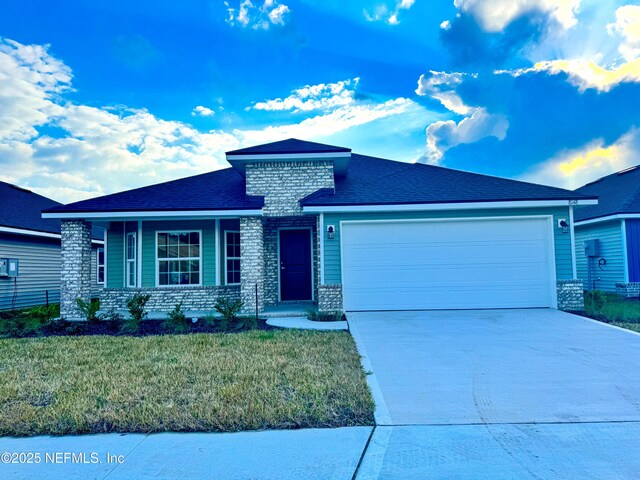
{"x":269,"y":264}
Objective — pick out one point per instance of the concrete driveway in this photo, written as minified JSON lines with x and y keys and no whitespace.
{"x":500,"y":394}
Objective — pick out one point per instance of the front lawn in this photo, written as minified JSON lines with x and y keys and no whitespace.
{"x":199,"y":382}
{"x":613,"y":309}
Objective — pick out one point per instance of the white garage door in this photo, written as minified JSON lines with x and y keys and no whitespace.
{"x":448,"y":264}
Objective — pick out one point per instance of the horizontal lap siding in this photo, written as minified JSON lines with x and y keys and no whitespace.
{"x":95,"y":286}
{"x":38,"y":271}
{"x":208,"y":247}
{"x":610,"y":236}
{"x":633,"y":249}
{"x":562,"y":241}
{"x":115,"y":255}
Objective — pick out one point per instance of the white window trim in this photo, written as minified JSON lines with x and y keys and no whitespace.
{"x":158,"y":260}
{"x":104,"y":265}
{"x":230,"y":258}
{"x":128,"y":261}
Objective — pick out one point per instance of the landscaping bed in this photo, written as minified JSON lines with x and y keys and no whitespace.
{"x":613,"y":309}
{"x":115,"y":327}
{"x":200,"y":382}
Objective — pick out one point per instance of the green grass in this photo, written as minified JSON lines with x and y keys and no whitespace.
{"x":629,"y":326}
{"x":200,"y":382}
{"x":612,"y":308}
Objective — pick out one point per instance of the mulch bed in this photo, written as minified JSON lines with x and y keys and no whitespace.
{"x":146,"y":328}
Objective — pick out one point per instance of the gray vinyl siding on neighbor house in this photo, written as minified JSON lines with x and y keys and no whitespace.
{"x":562,"y":241}
{"x":611,"y":249}
{"x":38,"y":271}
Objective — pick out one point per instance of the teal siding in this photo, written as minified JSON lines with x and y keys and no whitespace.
{"x":332,"y":267}
{"x":226,"y":224}
{"x":115,"y":247}
{"x":115,"y":255}
{"x":610,"y":236}
{"x":208,"y":248}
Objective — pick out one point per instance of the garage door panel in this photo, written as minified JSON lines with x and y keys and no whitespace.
{"x":453,"y":264}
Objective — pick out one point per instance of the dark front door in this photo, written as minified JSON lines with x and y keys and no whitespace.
{"x":295,"y":265}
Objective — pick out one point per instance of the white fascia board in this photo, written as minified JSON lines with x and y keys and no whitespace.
{"x":289,"y":156}
{"x":35,"y":233}
{"x":161,"y":215}
{"x":446,"y":206}
{"x":618,"y":216}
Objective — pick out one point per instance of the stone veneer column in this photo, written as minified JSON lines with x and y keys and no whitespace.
{"x":570,"y":295}
{"x":252,"y":264}
{"x":76,"y":268}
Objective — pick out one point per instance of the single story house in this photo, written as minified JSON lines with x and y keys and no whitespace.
{"x":35,"y":243}
{"x":295,"y":221}
{"x":614,"y":225}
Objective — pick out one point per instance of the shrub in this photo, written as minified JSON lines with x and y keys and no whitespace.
{"x":135,"y":305}
{"x":594,"y":301}
{"x":112,"y":316}
{"x":228,"y":309}
{"x":324,"y":316}
{"x":177,"y":321}
{"x":89,"y":309}
{"x":29,"y":321}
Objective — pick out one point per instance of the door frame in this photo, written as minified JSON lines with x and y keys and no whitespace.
{"x":551,"y":240}
{"x":313,"y":273}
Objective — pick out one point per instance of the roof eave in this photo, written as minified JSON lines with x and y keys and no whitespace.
{"x":115,"y":215}
{"x":607,"y":218}
{"x":492,"y":204}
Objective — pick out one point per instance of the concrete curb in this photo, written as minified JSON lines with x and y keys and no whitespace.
{"x":381,"y":413}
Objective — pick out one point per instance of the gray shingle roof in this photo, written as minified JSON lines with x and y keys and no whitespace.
{"x":291,"y":145}
{"x":619,"y":193}
{"x":218,"y":190}
{"x":375,"y":181}
{"x":22,"y":208}
{"x":370,"y":181}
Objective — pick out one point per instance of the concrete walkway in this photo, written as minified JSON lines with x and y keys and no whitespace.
{"x":305,"y":324}
{"x":500,"y":394}
{"x":274,"y":454}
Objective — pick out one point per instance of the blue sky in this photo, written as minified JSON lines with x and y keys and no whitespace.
{"x":98,"y":97}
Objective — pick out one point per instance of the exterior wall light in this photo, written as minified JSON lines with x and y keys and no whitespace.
{"x":564,"y":225}
{"x":331,"y":231}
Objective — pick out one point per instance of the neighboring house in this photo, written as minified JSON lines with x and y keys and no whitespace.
{"x":299,"y":221}
{"x":35,"y":243}
{"x":615,"y":224}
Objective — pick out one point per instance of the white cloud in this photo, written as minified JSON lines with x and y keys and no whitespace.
{"x":586,"y":74}
{"x":445,"y":134}
{"x":30,"y":82}
{"x":98,"y":151}
{"x":627,"y":25}
{"x":324,"y":96}
{"x":202,"y":111}
{"x":496,"y":15}
{"x":382,"y":12}
{"x":324,"y":125}
{"x":576,"y":167}
{"x":442,"y":86}
{"x":257,"y":17}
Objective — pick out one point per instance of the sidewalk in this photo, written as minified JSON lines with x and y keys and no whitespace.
{"x":274,"y":454}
